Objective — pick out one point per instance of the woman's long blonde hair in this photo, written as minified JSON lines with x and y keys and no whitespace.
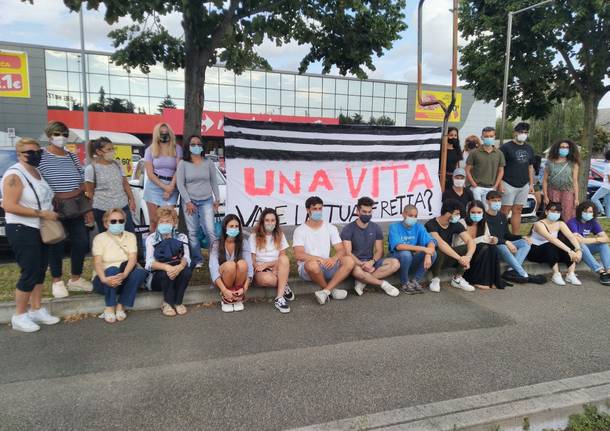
{"x":156,"y":146}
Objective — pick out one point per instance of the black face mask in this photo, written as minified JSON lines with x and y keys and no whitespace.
{"x":365,"y":218}
{"x":164,"y":137}
{"x":471,"y":145}
{"x":454,"y":142}
{"x":33,"y":159}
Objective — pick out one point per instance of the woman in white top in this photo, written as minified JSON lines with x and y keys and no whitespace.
{"x":26,"y":198}
{"x":271,"y":264}
{"x":554,"y":243}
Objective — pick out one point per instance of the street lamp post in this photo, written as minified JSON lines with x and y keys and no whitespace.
{"x":509,"y":34}
{"x":84,"y":76}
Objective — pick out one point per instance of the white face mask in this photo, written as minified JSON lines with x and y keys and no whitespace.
{"x":109,"y":156}
{"x":522,"y":137}
{"x":58,"y":141}
{"x":459,"y":183}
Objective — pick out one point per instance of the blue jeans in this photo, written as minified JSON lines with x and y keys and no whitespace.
{"x":204,"y":218}
{"x":588,"y":250}
{"x":125,"y":294}
{"x":411,"y":263}
{"x":602,"y":193}
{"x":515,"y":261}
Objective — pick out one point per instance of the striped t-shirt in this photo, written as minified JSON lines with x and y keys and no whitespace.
{"x":62,"y":173}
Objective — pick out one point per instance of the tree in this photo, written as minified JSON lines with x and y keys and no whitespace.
{"x":382,"y":121}
{"x":357,"y":119}
{"x":99,"y":106}
{"x":558,"y":51}
{"x":341,"y":33}
{"x":167,"y":102}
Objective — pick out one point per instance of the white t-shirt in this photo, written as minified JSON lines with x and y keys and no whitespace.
{"x":270,"y":253}
{"x":317,"y":242}
{"x":606,"y":183}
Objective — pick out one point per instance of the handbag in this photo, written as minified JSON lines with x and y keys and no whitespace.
{"x":75,"y":206}
{"x":51,"y":231}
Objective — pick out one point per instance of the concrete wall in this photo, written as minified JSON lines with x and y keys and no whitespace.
{"x":27,"y":116}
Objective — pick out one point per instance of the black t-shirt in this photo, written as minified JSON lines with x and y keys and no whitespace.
{"x":518,"y":160}
{"x":466,"y":197}
{"x":446,"y":234}
{"x":498,"y":227}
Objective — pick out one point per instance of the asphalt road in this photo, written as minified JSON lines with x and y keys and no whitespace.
{"x":259,"y":370}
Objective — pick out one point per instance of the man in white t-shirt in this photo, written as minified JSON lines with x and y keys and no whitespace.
{"x":604,"y":190}
{"x":311,"y":242}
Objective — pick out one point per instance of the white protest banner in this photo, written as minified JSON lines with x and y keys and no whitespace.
{"x":279,"y":165}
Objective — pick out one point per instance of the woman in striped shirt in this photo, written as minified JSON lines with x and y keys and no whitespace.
{"x":63,"y":172}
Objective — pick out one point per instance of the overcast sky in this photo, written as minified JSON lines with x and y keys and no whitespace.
{"x":48,"y":22}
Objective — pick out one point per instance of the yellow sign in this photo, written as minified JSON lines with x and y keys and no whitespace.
{"x":435,"y":112}
{"x":122,"y":153}
{"x":14,"y":78}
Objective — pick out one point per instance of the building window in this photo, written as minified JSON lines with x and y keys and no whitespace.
{"x":287,"y":98}
{"x":96,"y":82}
{"x":287,"y":81}
{"x":366,"y":88}
{"x":97,"y":64}
{"x":341,"y":86}
{"x":273,"y":80}
{"x":243,"y":79}
{"x":354,"y":88}
{"x":226,"y":77}
{"x":138,"y":86}
{"x":273,"y":97}
{"x":57,"y":80}
{"x":329,"y":85}
{"x":227,"y":93}
{"x":210,"y":92}
{"x":242,"y":95}
{"x":119,"y":85}
{"x":157,"y":87}
{"x":315,"y":84}
{"x":258,"y":79}
{"x":315,"y":100}
{"x":258,"y":96}
{"x":175,"y":89}
{"x":55,"y":60}
{"x":302,"y":99}
{"x":378,"y":89}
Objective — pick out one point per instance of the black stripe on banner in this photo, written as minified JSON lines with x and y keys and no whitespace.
{"x":318,"y":141}
{"x":258,"y":154}
{"x":357,"y":129}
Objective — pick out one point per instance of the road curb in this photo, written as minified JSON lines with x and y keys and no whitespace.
{"x":93,"y":303}
{"x":542,"y":406}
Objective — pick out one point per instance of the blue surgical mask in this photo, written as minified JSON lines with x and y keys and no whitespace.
{"x":455,"y":218}
{"x":563,"y":152}
{"x":316,"y":215}
{"x":488,"y":141}
{"x":232,"y":232}
{"x":476,"y":217}
{"x":196,"y":149}
{"x":553,"y":216}
{"x":165,"y":228}
{"x":495,"y":206}
{"x":587,"y":216}
{"x":410,"y":221}
{"x":119,"y":228}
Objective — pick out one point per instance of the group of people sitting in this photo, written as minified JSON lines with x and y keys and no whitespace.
{"x":471,"y":233}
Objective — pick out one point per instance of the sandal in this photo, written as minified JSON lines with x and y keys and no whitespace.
{"x":181,"y":309}
{"x":108,"y":317}
{"x":121,"y":315}
{"x":168,"y":310}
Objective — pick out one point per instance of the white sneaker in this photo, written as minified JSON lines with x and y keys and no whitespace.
{"x":226,"y":307}
{"x":59,"y":289}
{"x":42,"y":316}
{"x":338,"y":294}
{"x":199,"y":265}
{"x":359,"y":287}
{"x":435,"y":285}
{"x":321,"y":296}
{"x":389,"y":289}
{"x":80,"y":285}
{"x":558,"y":279}
{"x":459,"y":283}
{"x":238,"y":306}
{"x":573,"y":279}
{"x":23,"y":323}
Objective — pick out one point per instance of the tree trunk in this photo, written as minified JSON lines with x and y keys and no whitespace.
{"x":590,"y":102}
{"x":194,"y":77}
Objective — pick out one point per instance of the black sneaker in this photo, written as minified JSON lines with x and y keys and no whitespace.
{"x":514,"y":277}
{"x":538,"y":279}
{"x":408,"y":289}
{"x":417,"y":287}
{"x":288,"y":294}
{"x":281,"y":304}
{"x":604,"y":278}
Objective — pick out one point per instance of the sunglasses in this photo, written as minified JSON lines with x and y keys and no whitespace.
{"x":31,"y":152}
{"x":64,"y":134}
{"x":115,"y":221}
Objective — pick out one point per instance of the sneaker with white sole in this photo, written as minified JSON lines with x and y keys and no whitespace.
{"x":435,"y":285}
{"x":359,"y":287}
{"x":23,"y":323}
{"x":321,"y":296}
{"x":459,"y":283}
{"x":43,"y":316}
{"x":338,"y":294}
{"x":573,"y":279}
{"x":288,"y":293}
{"x":80,"y":285}
{"x":59,"y":289}
{"x":558,"y":279}
{"x":199,"y":265}
{"x":389,"y":289}
{"x":282,"y":305}
{"x":238,"y":306}
{"x":226,"y":307}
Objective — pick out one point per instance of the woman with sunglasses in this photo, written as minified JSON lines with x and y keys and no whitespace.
{"x":198,"y":186}
{"x":61,"y":169}
{"x":26,"y":199}
{"x":115,"y":255}
{"x":106,"y":184}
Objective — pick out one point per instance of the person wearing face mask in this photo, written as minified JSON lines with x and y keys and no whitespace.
{"x":443,"y":229}
{"x":458,"y":191}
{"x":311,"y":242}
{"x":230,"y":263}
{"x":485,"y":166}
{"x":168,"y":258}
{"x":26,"y":199}
{"x":115,"y":254}
{"x":198,"y":186}
{"x":363,"y":241}
{"x":513,"y":249}
{"x":271,"y":264}
{"x":560,"y":179}
{"x":553,"y":243}
{"x":454,"y":154}
{"x":106,"y":184}
{"x":593,"y":240}
{"x":471,"y":143}
{"x":161,"y":159}
{"x":413,"y":246}
{"x":61,"y":169}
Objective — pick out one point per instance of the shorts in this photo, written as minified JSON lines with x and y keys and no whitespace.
{"x":514,"y":195}
{"x":30,"y":253}
{"x":154,"y":194}
{"x":327,"y":272}
{"x":378,"y":264}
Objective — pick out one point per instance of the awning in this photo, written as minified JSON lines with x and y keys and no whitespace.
{"x":77,"y":136}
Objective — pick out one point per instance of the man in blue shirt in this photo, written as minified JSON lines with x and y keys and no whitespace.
{"x":414,"y":247}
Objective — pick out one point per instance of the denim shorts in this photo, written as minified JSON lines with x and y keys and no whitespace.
{"x":154,"y":194}
{"x":327,"y":272}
